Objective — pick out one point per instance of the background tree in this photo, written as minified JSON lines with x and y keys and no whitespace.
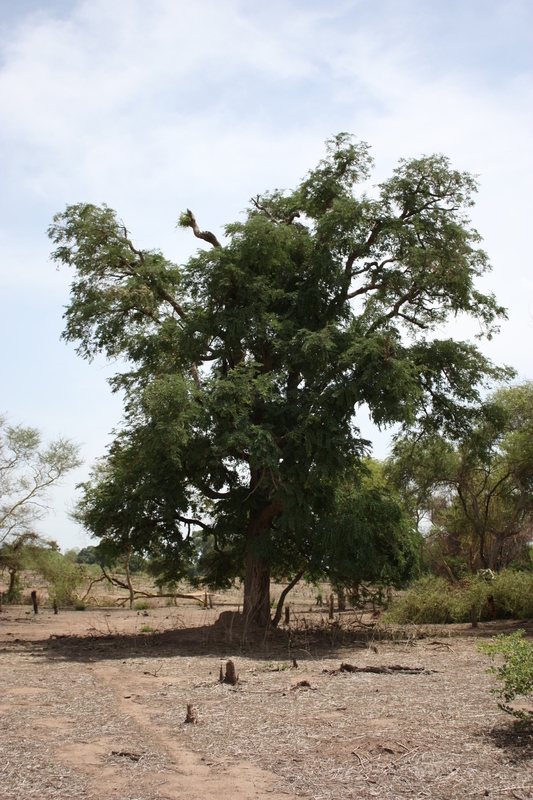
{"x":246,"y":365}
{"x":478,"y":492}
{"x":28,"y":471}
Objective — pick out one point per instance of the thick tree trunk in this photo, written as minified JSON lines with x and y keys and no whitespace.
{"x":256,"y":605}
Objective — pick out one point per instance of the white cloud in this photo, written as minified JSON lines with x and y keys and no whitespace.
{"x":151,"y":107}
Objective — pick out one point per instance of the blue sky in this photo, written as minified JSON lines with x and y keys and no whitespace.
{"x":154,"y":107}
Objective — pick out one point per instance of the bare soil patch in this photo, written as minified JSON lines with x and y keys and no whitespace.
{"x":91,"y":706}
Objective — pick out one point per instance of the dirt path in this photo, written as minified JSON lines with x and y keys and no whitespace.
{"x":93,"y":714}
{"x":73,"y":730}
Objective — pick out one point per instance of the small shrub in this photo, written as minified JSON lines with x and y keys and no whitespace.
{"x":141,"y":605}
{"x":79,"y":605}
{"x":516,"y":672}
{"x":146,"y":629}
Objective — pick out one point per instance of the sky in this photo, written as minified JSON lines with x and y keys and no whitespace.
{"x":156,"y":107}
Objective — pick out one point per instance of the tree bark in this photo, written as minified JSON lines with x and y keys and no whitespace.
{"x":128,"y":577}
{"x":285,"y":592}
{"x":256,"y":604}
{"x":12,"y":579}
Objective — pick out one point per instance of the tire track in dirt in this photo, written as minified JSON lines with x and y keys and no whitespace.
{"x":68,"y":732}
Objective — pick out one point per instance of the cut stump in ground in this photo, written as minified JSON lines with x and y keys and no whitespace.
{"x":231,"y":676}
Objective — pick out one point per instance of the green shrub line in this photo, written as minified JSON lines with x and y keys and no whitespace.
{"x":433,"y":600}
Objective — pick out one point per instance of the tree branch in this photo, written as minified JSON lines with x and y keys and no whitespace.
{"x":190,"y":521}
{"x":211,"y":493}
{"x":207,"y":236}
{"x":284,"y":221}
{"x":283,"y":595}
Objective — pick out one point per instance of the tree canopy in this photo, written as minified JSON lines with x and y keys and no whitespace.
{"x":28,"y":471}
{"x":478,"y":490}
{"x":244,"y":368}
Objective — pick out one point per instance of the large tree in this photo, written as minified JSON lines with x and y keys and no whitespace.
{"x":244,"y":368}
{"x":477,"y":490}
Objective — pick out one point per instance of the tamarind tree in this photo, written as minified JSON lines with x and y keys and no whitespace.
{"x":243,"y":369}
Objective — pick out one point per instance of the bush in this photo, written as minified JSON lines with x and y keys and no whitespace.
{"x":79,"y":605}
{"x":516,"y":672}
{"x":63,"y":576}
{"x":141,"y":605}
{"x":433,"y":600}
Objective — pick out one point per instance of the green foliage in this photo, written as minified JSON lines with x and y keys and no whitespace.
{"x":516,"y":672}
{"x":63,"y":576}
{"x":28,"y":470}
{"x":433,"y":600}
{"x":86,"y":556}
{"x":79,"y":605}
{"x":478,"y":491}
{"x":146,"y":629}
{"x":141,"y":605}
{"x":367,"y":538}
{"x":245,"y":367}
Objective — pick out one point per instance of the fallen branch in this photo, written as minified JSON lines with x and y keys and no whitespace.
{"x":114,"y":581}
{"x":91,"y":584}
{"x":126,"y":754}
{"x":154,"y":674}
{"x":383,"y":670}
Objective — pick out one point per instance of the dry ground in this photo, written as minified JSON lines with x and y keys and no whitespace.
{"x":91,"y":707}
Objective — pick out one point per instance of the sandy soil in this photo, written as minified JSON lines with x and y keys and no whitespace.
{"x":93,"y":706}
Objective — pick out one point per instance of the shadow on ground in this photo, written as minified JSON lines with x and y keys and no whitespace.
{"x":229,"y":636}
{"x":515,"y":739}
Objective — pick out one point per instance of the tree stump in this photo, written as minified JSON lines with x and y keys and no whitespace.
{"x":287,"y":614}
{"x":191,"y":715}
{"x":210,"y":601}
{"x":221,"y":675}
{"x":56,"y":607}
{"x":34,"y":602}
{"x":231,"y":676}
{"x":331,"y":606}
{"x":473,"y":616}
{"x":205,"y":599}
{"x":341,"y":600}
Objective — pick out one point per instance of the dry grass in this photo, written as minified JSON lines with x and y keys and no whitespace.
{"x":98,"y":711}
